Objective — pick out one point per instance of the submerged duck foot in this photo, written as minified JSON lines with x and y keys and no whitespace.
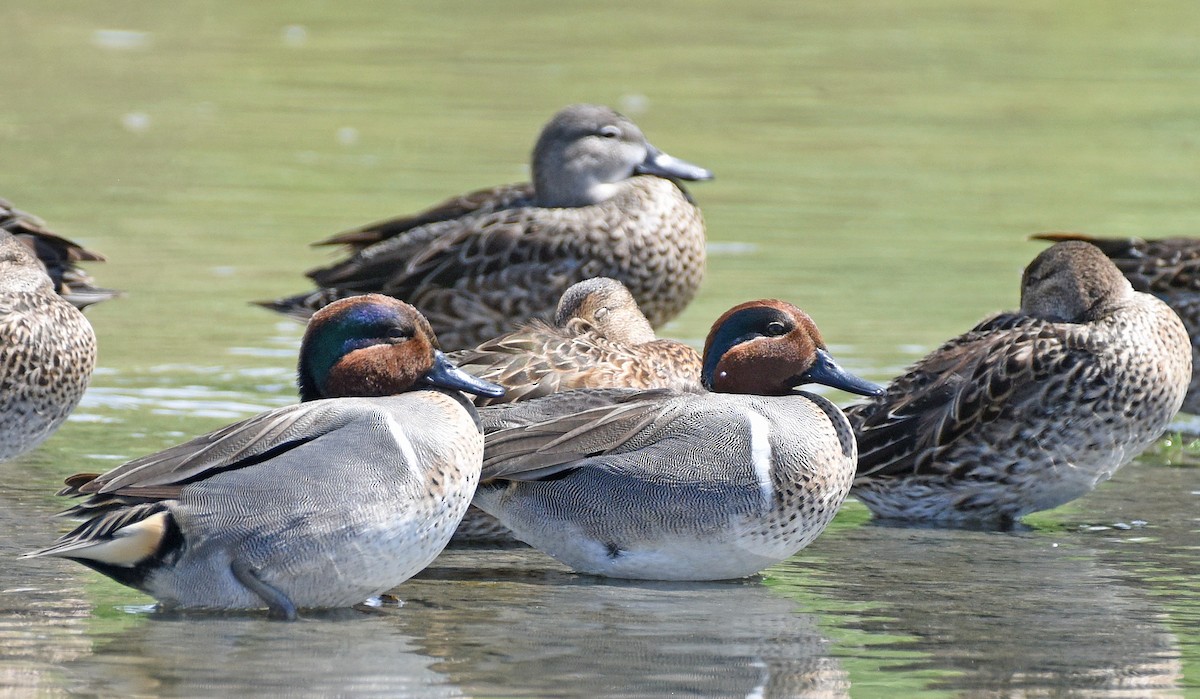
{"x":279,"y":606}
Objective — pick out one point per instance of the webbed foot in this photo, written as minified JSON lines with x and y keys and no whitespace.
{"x":279,"y":607}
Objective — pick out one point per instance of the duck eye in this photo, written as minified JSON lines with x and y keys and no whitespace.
{"x":776,"y":328}
{"x":609,"y":131}
{"x":397,"y":334}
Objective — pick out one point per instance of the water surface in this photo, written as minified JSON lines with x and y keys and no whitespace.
{"x":879,"y":165}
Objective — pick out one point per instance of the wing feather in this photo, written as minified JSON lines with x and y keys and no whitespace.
{"x":477,"y":202}
{"x":968,"y":382}
{"x":536,"y":441}
{"x":240,"y":445}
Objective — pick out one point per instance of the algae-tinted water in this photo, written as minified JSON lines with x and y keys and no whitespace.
{"x":879,"y":165}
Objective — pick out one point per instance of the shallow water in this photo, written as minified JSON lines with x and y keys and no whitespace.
{"x":879,"y":165}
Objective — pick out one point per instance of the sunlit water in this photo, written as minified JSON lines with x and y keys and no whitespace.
{"x":880,"y":165}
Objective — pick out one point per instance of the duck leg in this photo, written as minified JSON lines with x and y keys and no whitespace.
{"x":278,"y":604}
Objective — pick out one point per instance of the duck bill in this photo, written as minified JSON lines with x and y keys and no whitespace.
{"x":660,"y":164}
{"x":444,"y":374}
{"x":826,"y":371}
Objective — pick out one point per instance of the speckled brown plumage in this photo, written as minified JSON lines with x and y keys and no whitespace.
{"x":478,"y":266}
{"x":1028,"y":410}
{"x":47,"y":352}
{"x":58,"y":255}
{"x":1169,"y":268}
{"x":599,"y":339}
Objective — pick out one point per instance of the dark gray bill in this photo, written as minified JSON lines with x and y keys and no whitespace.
{"x":444,"y":374}
{"x":826,"y":371}
{"x":660,"y":164}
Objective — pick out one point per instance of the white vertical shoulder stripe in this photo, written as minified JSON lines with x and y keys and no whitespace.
{"x":406,"y":447}
{"x":760,"y":452}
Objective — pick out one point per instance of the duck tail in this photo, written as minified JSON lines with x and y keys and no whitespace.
{"x":301,"y":306}
{"x":125,"y":543}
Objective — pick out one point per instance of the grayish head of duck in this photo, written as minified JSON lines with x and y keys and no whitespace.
{"x":587,"y":150}
{"x":769,"y":347}
{"x":19,"y":269}
{"x":608,"y":307}
{"x":1071,"y":282}
{"x":375,"y":345}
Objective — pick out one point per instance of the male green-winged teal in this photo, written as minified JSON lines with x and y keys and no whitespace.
{"x":680,"y":485}
{"x":603,"y":202}
{"x":47,"y":352}
{"x":1028,"y":410}
{"x":599,"y":339}
{"x":321,"y":504}
{"x":58,"y":255}
{"x":1169,"y":268}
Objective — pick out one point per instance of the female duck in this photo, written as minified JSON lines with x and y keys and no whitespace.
{"x":671,"y":485}
{"x":599,"y":339}
{"x":321,"y":504}
{"x":603,"y":202}
{"x":1170,"y":270}
{"x":1028,"y":410}
{"x":58,"y":255}
{"x":47,"y":352}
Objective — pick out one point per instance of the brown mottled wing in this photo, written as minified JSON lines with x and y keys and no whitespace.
{"x":242,"y":444}
{"x":530,"y":362}
{"x":541,"y":438}
{"x":968,"y":382}
{"x":479,"y":202}
{"x":539,"y":360}
{"x":441,"y":253}
{"x":1156,"y":266}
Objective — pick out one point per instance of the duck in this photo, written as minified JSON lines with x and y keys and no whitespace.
{"x":664,"y":484}
{"x":322,"y":504}
{"x":599,"y":339}
{"x":603,"y":202}
{"x":47,"y":352}
{"x":1168,"y":268}
{"x":58,"y":255}
{"x":1030,"y":409}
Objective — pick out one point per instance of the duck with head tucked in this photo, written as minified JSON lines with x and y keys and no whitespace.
{"x":1028,"y":410}
{"x":47,"y":352}
{"x":1168,"y":268}
{"x":321,"y":504}
{"x":603,"y":202}
{"x":680,"y":485}
{"x":58,"y":255}
{"x":599,"y":339}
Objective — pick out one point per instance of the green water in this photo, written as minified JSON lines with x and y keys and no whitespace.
{"x":879,"y":164}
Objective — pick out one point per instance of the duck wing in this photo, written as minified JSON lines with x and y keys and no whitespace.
{"x":997,"y":368}
{"x":536,"y":360}
{"x":439,"y":254}
{"x":542,"y":438}
{"x":539,"y":360}
{"x":252,"y":441}
{"x":477,"y":202}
